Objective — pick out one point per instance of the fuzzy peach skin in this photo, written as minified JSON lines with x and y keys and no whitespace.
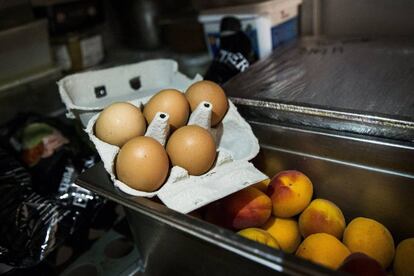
{"x":322,"y":216}
{"x":285,"y":231}
{"x":247,"y":208}
{"x":369,"y":236}
{"x":290,"y":192}
{"x":323,"y":249}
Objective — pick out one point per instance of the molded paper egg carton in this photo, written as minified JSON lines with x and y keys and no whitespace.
{"x":232,"y":171}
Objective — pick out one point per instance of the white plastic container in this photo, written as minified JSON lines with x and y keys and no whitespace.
{"x":268,"y":24}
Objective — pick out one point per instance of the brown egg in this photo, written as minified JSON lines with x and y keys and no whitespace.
{"x":210,"y":92}
{"x":142,"y":163}
{"x":192,"y":148}
{"x":170,"y":101}
{"x":120,"y":122}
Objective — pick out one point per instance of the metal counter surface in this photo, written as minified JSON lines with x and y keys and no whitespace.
{"x":356,"y":85}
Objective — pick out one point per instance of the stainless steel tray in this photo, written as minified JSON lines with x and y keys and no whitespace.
{"x":354,"y":85}
{"x":364,"y":177}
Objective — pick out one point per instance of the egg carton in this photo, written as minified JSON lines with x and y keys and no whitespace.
{"x":236,"y":143}
{"x":232,"y":171}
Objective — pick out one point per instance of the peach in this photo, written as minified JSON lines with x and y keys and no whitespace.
{"x":259,"y":235}
{"x":322,"y":216}
{"x":290,"y":192}
{"x":246,"y":208}
{"x":404,"y":258}
{"x":370,"y":237}
{"x":323,"y":249}
{"x":285,"y":231}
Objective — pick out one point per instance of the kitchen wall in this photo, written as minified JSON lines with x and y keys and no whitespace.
{"x":356,"y":17}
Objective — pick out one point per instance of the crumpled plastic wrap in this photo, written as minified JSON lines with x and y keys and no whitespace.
{"x":362,"y":86}
{"x":33,"y":225}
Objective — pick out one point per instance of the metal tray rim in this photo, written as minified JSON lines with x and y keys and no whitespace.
{"x":335,"y":114}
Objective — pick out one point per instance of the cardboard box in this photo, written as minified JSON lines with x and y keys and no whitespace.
{"x":268,"y":24}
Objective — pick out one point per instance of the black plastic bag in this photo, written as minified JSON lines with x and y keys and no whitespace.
{"x":40,"y":206}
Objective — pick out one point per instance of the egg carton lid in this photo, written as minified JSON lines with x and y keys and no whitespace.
{"x":85,"y":94}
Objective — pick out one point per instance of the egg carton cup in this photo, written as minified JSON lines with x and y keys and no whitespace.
{"x":232,"y":171}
